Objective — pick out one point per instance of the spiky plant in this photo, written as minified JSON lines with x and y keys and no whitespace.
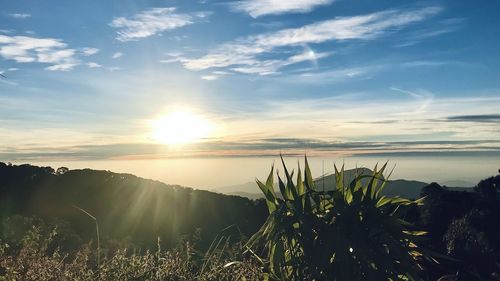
{"x":349,"y":232}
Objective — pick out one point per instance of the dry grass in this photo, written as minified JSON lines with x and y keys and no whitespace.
{"x":35,"y":260}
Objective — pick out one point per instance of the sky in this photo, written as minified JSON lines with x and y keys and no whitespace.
{"x":88,"y":80}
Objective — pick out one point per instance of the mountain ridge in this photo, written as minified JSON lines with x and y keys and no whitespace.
{"x":399,"y":187}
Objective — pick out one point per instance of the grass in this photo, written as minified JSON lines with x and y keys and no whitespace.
{"x":39,"y":259}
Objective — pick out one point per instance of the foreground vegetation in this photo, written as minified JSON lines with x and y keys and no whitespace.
{"x":346,"y":232}
{"x":38,"y":258}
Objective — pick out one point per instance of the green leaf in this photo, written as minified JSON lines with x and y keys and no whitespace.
{"x":269,"y":195}
{"x":283,"y":190}
{"x":308,"y":177}
{"x":270,"y":181}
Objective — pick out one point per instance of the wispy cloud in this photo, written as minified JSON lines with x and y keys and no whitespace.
{"x":417,"y":117}
{"x":61,"y":67}
{"x":89,"y":51}
{"x":19,"y":15}
{"x":313,"y":75}
{"x":214,"y":75}
{"x":267,"y":67}
{"x":151,"y":22}
{"x":117,"y":55}
{"x":257,"y":8}
{"x":24,"y":49}
{"x":173,"y":57}
{"x":210,"y":77}
{"x":93,"y":65}
{"x":332,"y":76}
{"x":424,"y":97}
{"x":440,"y":28}
{"x":244,"y":54}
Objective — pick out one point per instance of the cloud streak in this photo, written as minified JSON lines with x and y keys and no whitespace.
{"x":19,"y":15}
{"x":440,"y":28}
{"x":253,"y":148}
{"x":257,"y":8}
{"x":151,"y":22}
{"x":485,"y":118}
{"x":244,"y":55}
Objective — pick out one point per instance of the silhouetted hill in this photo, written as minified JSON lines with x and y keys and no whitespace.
{"x":458,"y":183}
{"x":126,"y":206}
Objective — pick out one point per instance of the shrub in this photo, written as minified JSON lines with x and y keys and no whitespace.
{"x":350,"y":232}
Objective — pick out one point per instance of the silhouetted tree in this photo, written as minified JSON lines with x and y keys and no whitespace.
{"x":61,"y":171}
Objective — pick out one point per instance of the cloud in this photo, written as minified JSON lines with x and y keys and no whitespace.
{"x":173,"y":57}
{"x":215,"y":75}
{"x":89,"y":51}
{"x":267,"y":67}
{"x":210,"y":77}
{"x":117,"y":55}
{"x":61,"y":67}
{"x":24,"y":49}
{"x":93,"y":65}
{"x":424,"y":97}
{"x":413,"y":94}
{"x":9,"y":70}
{"x":484,"y":118}
{"x":358,"y":115}
{"x":440,"y":28}
{"x":244,"y":54}
{"x":19,"y":16}
{"x":268,"y":24}
{"x":332,"y":75}
{"x":254,"y":148}
{"x":257,"y":8}
{"x":425,"y":63}
{"x":151,"y":22}
{"x":314,"y":75}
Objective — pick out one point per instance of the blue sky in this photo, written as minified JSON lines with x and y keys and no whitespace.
{"x":86,"y":79}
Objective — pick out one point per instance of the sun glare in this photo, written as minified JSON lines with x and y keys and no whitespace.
{"x":181,"y":127}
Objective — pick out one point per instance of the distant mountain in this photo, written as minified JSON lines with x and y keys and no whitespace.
{"x":253,"y":196}
{"x":457,"y":183}
{"x":244,"y":188}
{"x":126,"y":206}
{"x":399,"y":187}
{"x":251,"y":190}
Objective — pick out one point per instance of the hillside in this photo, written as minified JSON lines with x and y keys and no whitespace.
{"x":126,"y":206}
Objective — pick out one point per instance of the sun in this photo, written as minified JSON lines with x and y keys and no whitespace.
{"x":181,"y":127}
